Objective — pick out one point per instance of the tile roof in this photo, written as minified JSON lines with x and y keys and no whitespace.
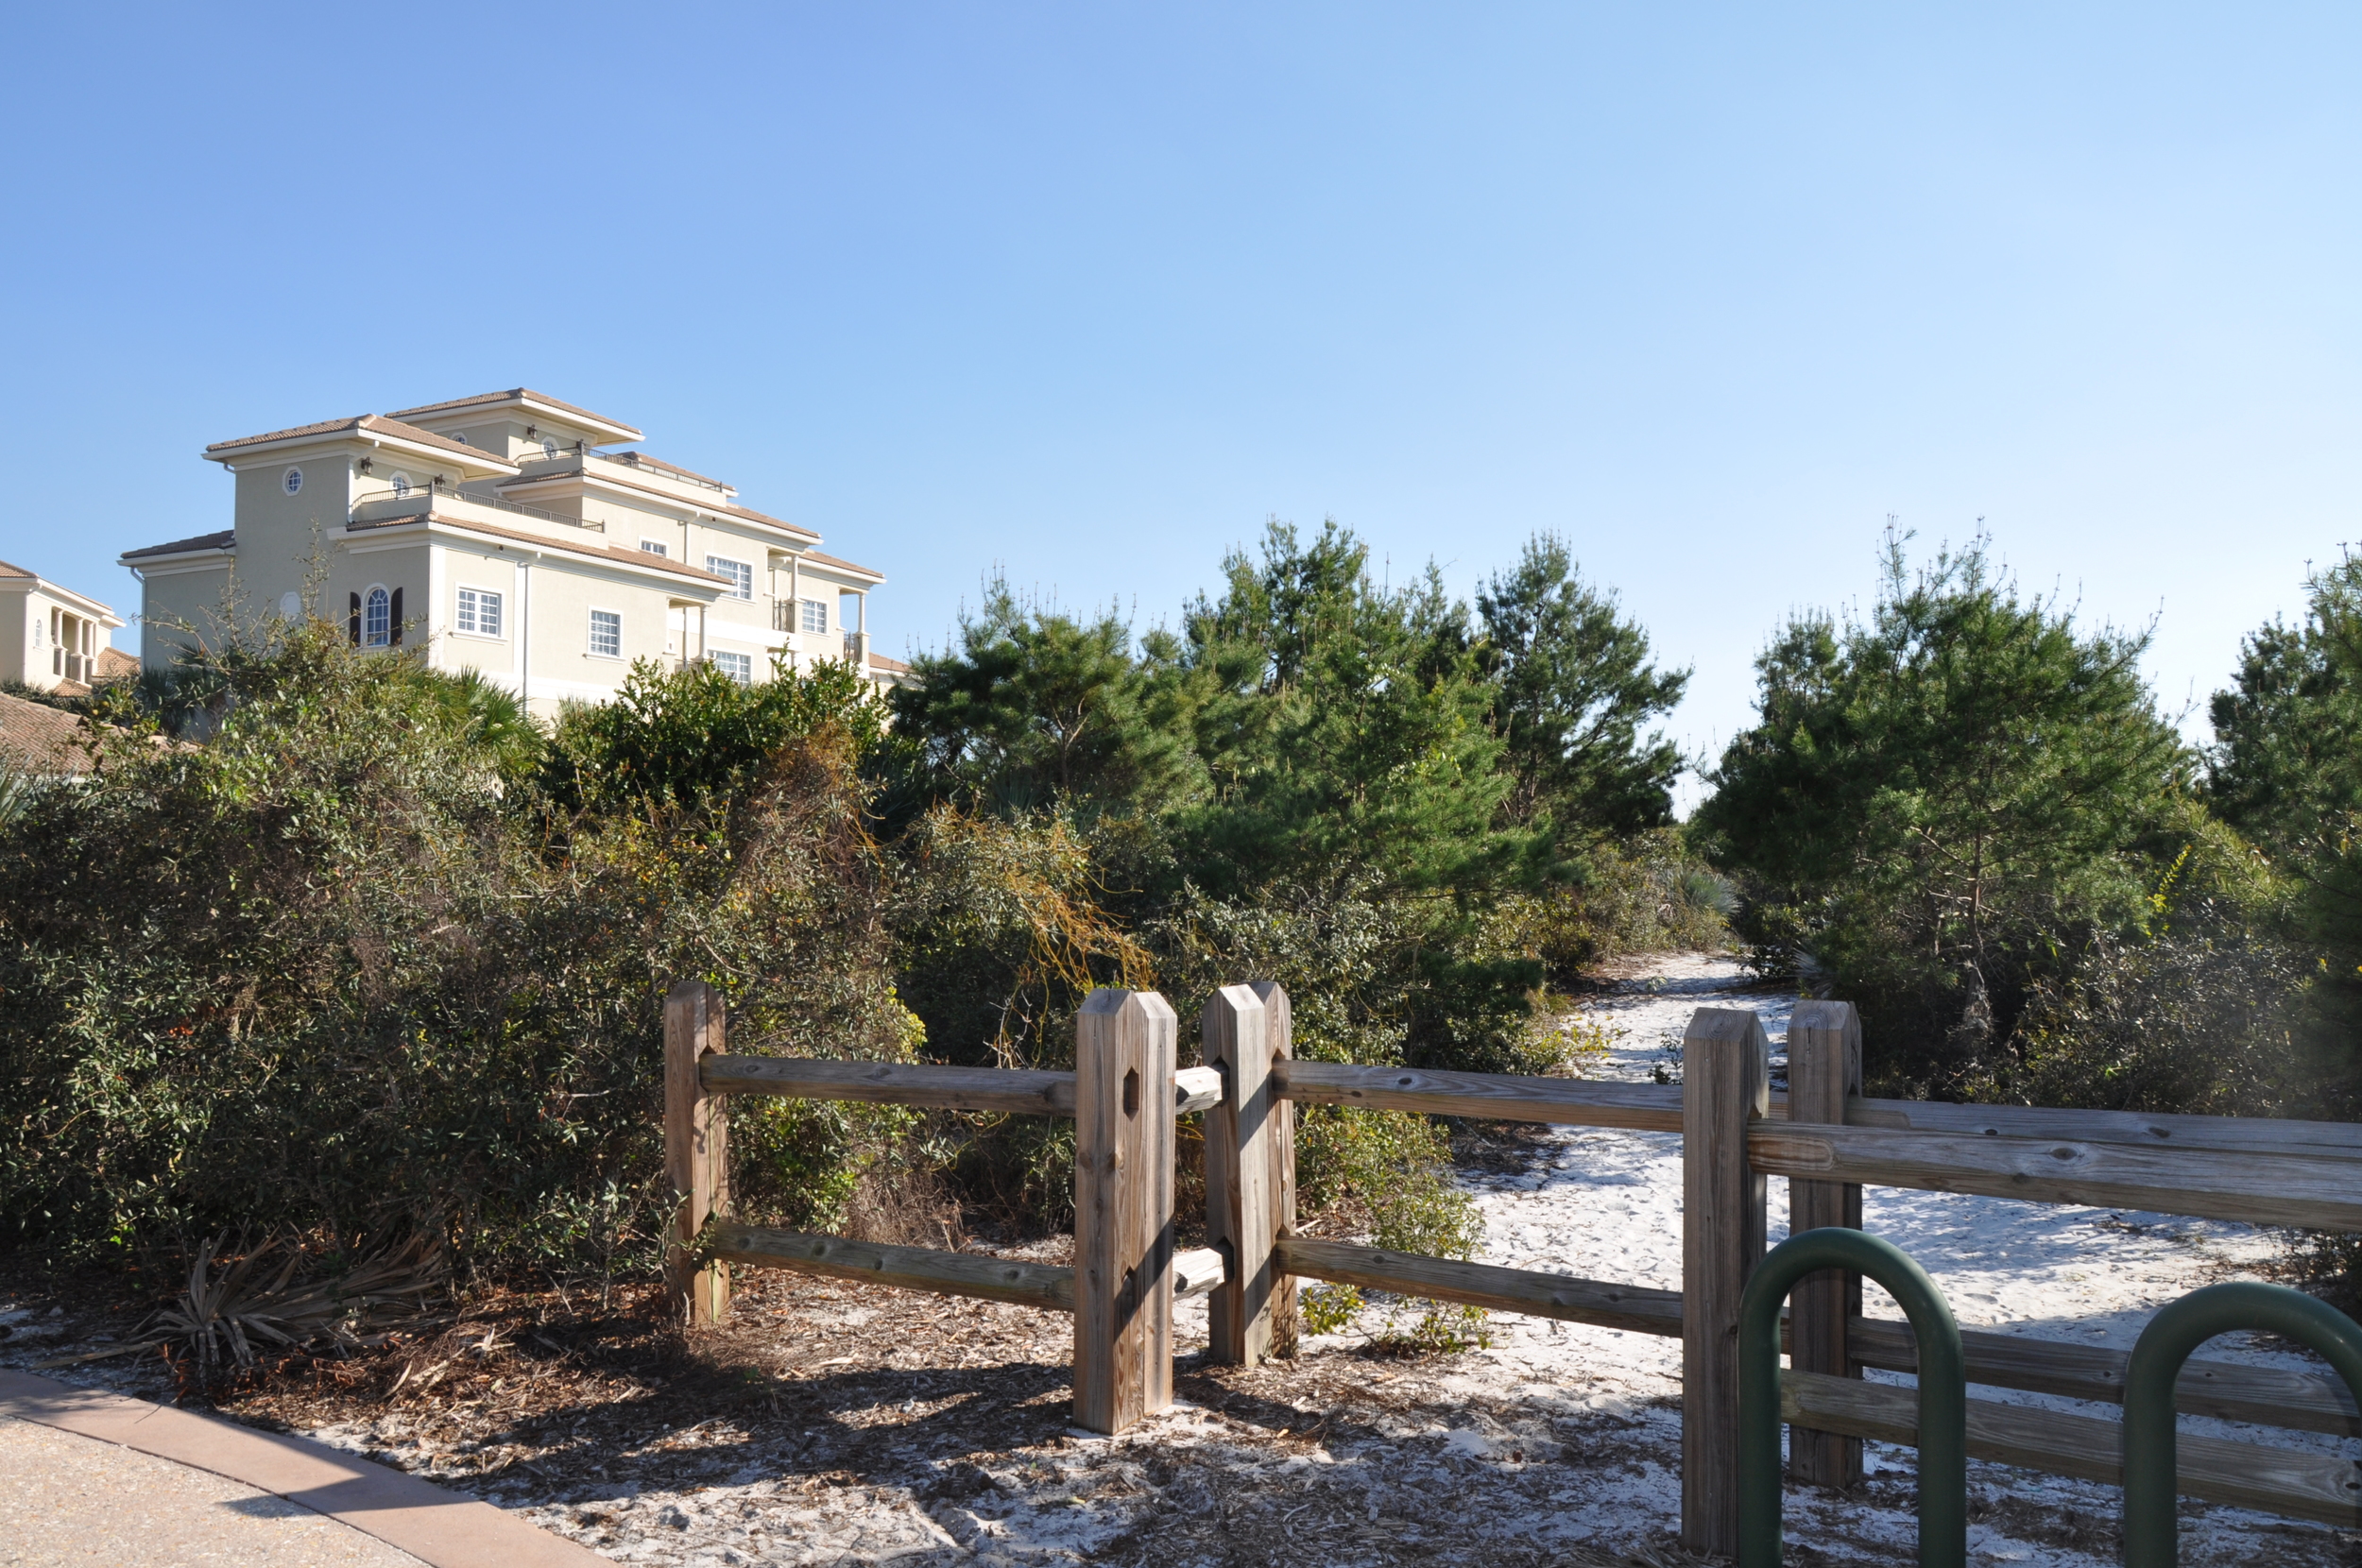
{"x":642,"y":460}
{"x":878,"y":661}
{"x":376,"y":424}
{"x":597,"y":551}
{"x":8,"y":570}
{"x":114,"y":664}
{"x":831,"y":560}
{"x":38,"y":739}
{"x":517,"y":394}
{"x":226,"y":539}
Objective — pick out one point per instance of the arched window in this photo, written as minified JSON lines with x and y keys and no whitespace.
{"x":402,"y":485}
{"x":377,"y":620}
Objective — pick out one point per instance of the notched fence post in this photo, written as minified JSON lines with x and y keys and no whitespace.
{"x":1726,"y":1083}
{"x":1123,"y":1152}
{"x":1823,"y":1067}
{"x":1250,"y":1174}
{"x":697,"y":1149}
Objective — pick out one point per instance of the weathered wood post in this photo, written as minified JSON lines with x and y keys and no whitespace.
{"x":1250,"y":1173}
{"x":1726,"y":1083}
{"x":1123,"y":1149}
{"x":1823,"y":1067}
{"x":696,"y":1148}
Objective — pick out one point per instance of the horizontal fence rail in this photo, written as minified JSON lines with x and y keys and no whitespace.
{"x":2322,"y":1487}
{"x":1637,"y":1307}
{"x":2253,"y":1135}
{"x":1499,"y":1097}
{"x":2268,"y":1396}
{"x":2256,"y":1190}
{"x":2226,"y":1389}
{"x":1012,"y":1091}
{"x":993,"y":1279}
{"x":1657,"y":1108}
{"x":1049,"y":1285}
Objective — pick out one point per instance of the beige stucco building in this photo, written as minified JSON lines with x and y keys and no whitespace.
{"x":495,"y":532}
{"x":52,"y":637}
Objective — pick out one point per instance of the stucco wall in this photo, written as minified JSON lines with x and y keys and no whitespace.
{"x":280,"y":536}
{"x":172,"y":598}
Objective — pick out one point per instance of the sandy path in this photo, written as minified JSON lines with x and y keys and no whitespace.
{"x":1607,"y":1205}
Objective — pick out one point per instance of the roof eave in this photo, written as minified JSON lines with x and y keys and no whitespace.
{"x":488,"y":466}
{"x":614,"y":430}
{"x":81,"y":602}
{"x":132,"y":562}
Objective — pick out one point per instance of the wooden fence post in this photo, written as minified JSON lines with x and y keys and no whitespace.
{"x":1726,"y":1083}
{"x":1823,"y":1067}
{"x":1250,"y":1174}
{"x":1279,"y":1030}
{"x":696,"y":1148}
{"x":1123,"y":1150}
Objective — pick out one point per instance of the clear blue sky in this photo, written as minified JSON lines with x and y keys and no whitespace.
{"x":1089,"y":291}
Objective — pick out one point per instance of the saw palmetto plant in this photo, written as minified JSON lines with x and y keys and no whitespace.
{"x":230,"y":1315}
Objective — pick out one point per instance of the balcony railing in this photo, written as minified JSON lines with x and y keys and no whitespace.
{"x":577,"y":453}
{"x":625,"y":460}
{"x":420,"y":499}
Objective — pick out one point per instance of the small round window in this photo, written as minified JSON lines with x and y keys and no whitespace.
{"x":291,"y":481}
{"x":402,"y":486}
{"x":549,"y":447}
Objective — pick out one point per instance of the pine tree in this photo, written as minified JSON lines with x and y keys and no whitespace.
{"x":1935,"y":804}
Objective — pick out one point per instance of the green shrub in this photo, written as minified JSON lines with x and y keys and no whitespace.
{"x":325,"y":973}
{"x":1939,"y":803}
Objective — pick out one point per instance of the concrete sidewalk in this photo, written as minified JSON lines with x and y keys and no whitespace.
{"x":88,"y":1477}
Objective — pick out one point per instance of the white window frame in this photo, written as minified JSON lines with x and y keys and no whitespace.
{"x":742,"y":575}
{"x":591,"y":627}
{"x":460,"y":616}
{"x":813,"y":618}
{"x":656,"y":547}
{"x":291,"y":483}
{"x":744,"y":677}
{"x":380,"y":633}
{"x":401,"y":484}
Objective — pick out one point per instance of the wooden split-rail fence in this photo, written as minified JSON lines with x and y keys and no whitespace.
{"x":1128,"y":1088}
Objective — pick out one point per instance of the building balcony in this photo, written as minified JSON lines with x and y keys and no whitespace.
{"x":419,"y":500}
{"x":640,"y":470}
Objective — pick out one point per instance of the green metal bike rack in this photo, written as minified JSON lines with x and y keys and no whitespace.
{"x":1942,"y":1392}
{"x":2151,"y":1465}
